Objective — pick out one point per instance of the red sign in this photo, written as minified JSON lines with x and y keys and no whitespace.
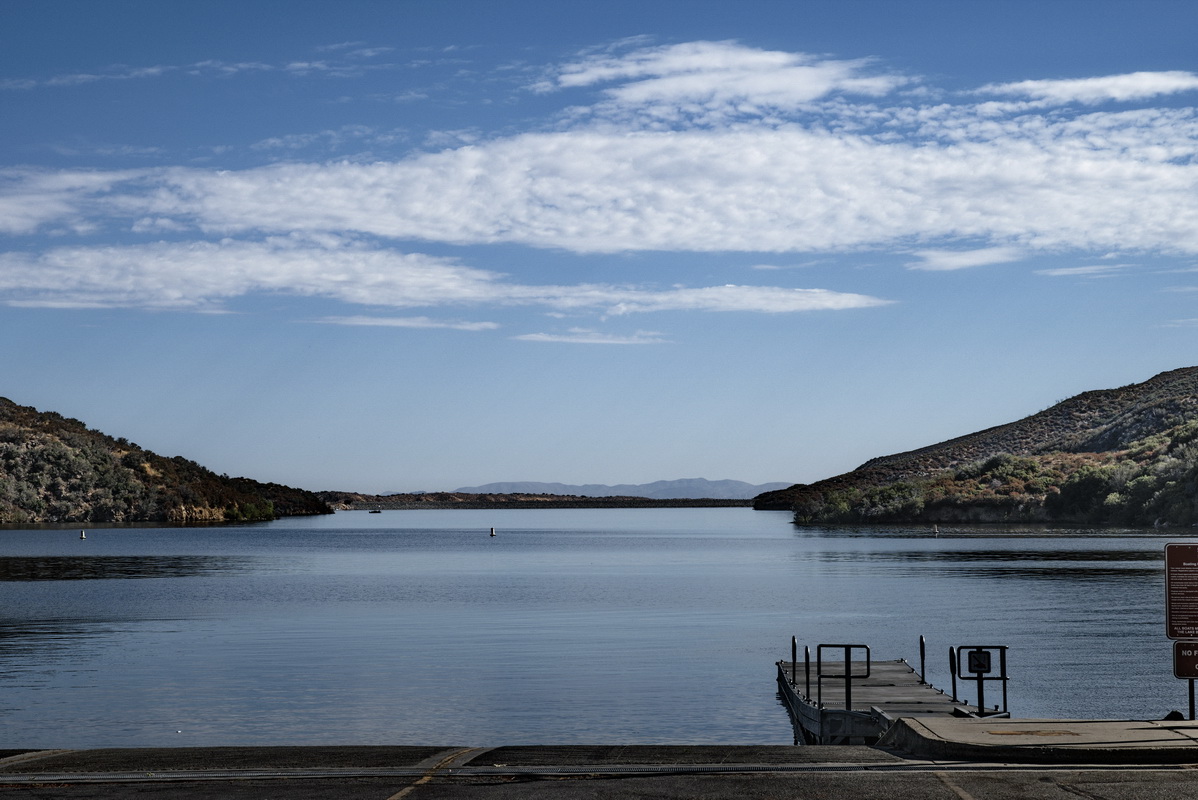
{"x":1185,"y":660}
{"x":1181,"y":591}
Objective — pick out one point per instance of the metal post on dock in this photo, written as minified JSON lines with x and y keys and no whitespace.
{"x":848,"y":677}
{"x":923,"y":675}
{"x":952,"y":669}
{"x":981,"y":697}
{"x":807,"y":666}
{"x":1191,"y":698}
{"x":794,"y":660}
{"x":1002,"y":670}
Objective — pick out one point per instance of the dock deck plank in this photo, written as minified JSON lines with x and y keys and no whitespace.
{"x":892,"y":690}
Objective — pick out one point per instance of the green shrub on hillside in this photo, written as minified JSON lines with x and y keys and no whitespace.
{"x":53,"y":469}
{"x":1153,"y":481}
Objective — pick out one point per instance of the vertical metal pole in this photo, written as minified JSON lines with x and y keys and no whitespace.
{"x":807,"y":667}
{"x":794,"y":660}
{"x":819,"y":676}
{"x":1191,"y":698}
{"x":952,"y":668}
{"x":1002,"y":666}
{"x":923,"y":675}
{"x":848,"y":679}
{"x":981,"y":679}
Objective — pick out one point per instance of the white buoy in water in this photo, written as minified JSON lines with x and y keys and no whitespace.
{"x":82,"y":534}
{"x":492,"y":531}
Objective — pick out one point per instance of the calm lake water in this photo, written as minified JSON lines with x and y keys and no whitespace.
{"x":568,"y":627}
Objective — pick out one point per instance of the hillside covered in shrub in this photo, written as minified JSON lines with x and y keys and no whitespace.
{"x":1126,"y":456}
{"x":54,"y":469}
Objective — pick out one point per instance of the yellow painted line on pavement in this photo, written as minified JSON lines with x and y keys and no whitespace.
{"x":952,"y":785}
{"x":428,"y":776}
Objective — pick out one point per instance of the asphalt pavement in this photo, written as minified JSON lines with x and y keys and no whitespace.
{"x":569,"y":772}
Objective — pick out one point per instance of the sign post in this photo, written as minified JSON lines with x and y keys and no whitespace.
{"x":974,"y":663}
{"x":1185,"y":665}
{"x":1181,"y":611}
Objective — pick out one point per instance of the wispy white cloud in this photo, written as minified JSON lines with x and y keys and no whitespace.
{"x":715,"y":81}
{"x":721,"y":70}
{"x":228,"y":68}
{"x":409,"y":322}
{"x":63,"y":200}
{"x":334,"y":139}
{"x":205,"y":275}
{"x":157,"y":226}
{"x":125,"y":73}
{"x":370,"y":52}
{"x":334,"y":47}
{"x":352,"y":68}
{"x":760,"y":299}
{"x":589,"y":336}
{"x":195,"y":275}
{"x":1090,"y":91}
{"x":352,"y":63}
{"x":1089,"y":271}
{"x":356,"y":49}
{"x":946,"y":260}
{"x":118,"y":73}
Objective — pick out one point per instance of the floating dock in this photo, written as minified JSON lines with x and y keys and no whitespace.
{"x":856,"y":702}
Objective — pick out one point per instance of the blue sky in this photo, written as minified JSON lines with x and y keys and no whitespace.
{"x":421,"y":245}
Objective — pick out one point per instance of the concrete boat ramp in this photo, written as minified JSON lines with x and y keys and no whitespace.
{"x":1125,"y":760}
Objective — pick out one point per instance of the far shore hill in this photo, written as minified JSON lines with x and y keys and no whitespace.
{"x":684,"y":493}
{"x":1107,"y":457}
{"x":353,"y":501}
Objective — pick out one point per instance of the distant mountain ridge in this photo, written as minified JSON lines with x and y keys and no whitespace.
{"x":1127,"y":455}
{"x":685,"y":488}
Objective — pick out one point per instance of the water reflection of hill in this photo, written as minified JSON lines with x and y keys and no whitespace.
{"x":1073,"y":566}
{"x":77,"y":568}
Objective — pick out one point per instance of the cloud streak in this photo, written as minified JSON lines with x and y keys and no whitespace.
{"x":948,"y":260}
{"x":588,"y":336}
{"x":1088,"y":271}
{"x":713,"y":82}
{"x":408,"y":322}
{"x":205,"y":275}
{"x":351,"y":64}
{"x":1091,"y":91}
